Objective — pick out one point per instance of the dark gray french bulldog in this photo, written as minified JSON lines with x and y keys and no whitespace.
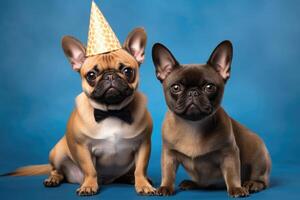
{"x":214,"y":149}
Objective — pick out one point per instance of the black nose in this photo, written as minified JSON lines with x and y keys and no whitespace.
{"x":109,"y":76}
{"x":193,"y":92}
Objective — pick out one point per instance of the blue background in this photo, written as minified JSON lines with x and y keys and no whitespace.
{"x":38,"y":86}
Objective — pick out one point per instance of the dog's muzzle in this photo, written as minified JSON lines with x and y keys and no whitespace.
{"x":111,"y":89}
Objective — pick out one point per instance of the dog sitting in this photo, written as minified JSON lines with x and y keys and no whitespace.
{"x":108,"y":135}
{"x":214,"y":149}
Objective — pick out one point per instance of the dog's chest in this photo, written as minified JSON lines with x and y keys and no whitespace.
{"x":204,"y":169}
{"x":113,"y":136}
{"x":114,"y":146}
{"x":110,"y":129}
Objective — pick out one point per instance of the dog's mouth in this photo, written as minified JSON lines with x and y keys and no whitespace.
{"x":112,"y":91}
{"x":192,"y":109}
{"x":111,"y":95}
{"x":194,"y":112}
{"x":192,"y":106}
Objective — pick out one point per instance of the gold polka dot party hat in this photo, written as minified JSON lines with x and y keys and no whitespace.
{"x":101,"y":38}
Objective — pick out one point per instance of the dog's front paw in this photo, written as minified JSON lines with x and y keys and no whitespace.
{"x":238,"y":192}
{"x":254,"y":186}
{"x":145,"y":189}
{"x":85,"y":190}
{"x":165,"y":191}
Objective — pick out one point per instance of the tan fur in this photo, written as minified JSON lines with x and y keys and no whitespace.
{"x":93,"y":152}
{"x":82,"y":128}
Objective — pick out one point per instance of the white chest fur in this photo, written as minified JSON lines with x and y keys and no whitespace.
{"x":111,"y":129}
{"x":113,"y":152}
{"x":113,"y":142}
{"x":114,"y":136}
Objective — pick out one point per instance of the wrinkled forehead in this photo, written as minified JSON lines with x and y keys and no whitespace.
{"x":194,"y":74}
{"x":111,"y":60}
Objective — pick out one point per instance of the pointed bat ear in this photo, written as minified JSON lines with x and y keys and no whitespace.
{"x":164,"y":61}
{"x":135,"y":44}
{"x":74,"y":51}
{"x":221,"y":59}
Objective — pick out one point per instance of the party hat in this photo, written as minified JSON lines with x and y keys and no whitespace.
{"x":101,"y":38}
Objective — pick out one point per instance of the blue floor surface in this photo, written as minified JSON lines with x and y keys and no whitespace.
{"x":285,"y":183}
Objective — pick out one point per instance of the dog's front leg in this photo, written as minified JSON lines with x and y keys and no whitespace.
{"x":230,"y":166}
{"x":169,"y":165}
{"x":83,"y":157}
{"x":142,"y":185}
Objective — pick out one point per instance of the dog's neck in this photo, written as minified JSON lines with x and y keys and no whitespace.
{"x":204,"y":125}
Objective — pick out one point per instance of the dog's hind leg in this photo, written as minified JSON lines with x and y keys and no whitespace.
{"x":188,"y":185}
{"x":56,"y":157}
{"x":259,"y":173}
{"x":257,"y":182}
{"x":54,"y":179}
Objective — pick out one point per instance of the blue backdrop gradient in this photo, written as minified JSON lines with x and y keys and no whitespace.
{"x":38,"y":86}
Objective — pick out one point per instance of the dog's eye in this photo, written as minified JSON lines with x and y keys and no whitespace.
{"x":210,"y":88}
{"x":176,"y":88}
{"x":129,"y":73}
{"x":91,"y":75}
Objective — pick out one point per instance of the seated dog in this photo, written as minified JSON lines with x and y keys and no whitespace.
{"x":108,"y":134}
{"x":213,"y":148}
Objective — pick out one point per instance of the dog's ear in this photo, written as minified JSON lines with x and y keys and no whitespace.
{"x":135,"y":44}
{"x":163,"y":60}
{"x":74,"y":51}
{"x":221,"y":59}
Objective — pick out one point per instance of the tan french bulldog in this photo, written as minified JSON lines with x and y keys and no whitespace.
{"x":214,"y":149}
{"x":108,"y":136}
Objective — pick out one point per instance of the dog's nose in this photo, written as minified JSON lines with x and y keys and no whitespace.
{"x":193,"y":92}
{"x":109,"y":76}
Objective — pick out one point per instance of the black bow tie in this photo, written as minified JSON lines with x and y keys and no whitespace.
{"x":123,"y":114}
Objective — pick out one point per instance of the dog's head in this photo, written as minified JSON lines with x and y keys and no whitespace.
{"x":193,"y":91}
{"x":110,"y":79}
